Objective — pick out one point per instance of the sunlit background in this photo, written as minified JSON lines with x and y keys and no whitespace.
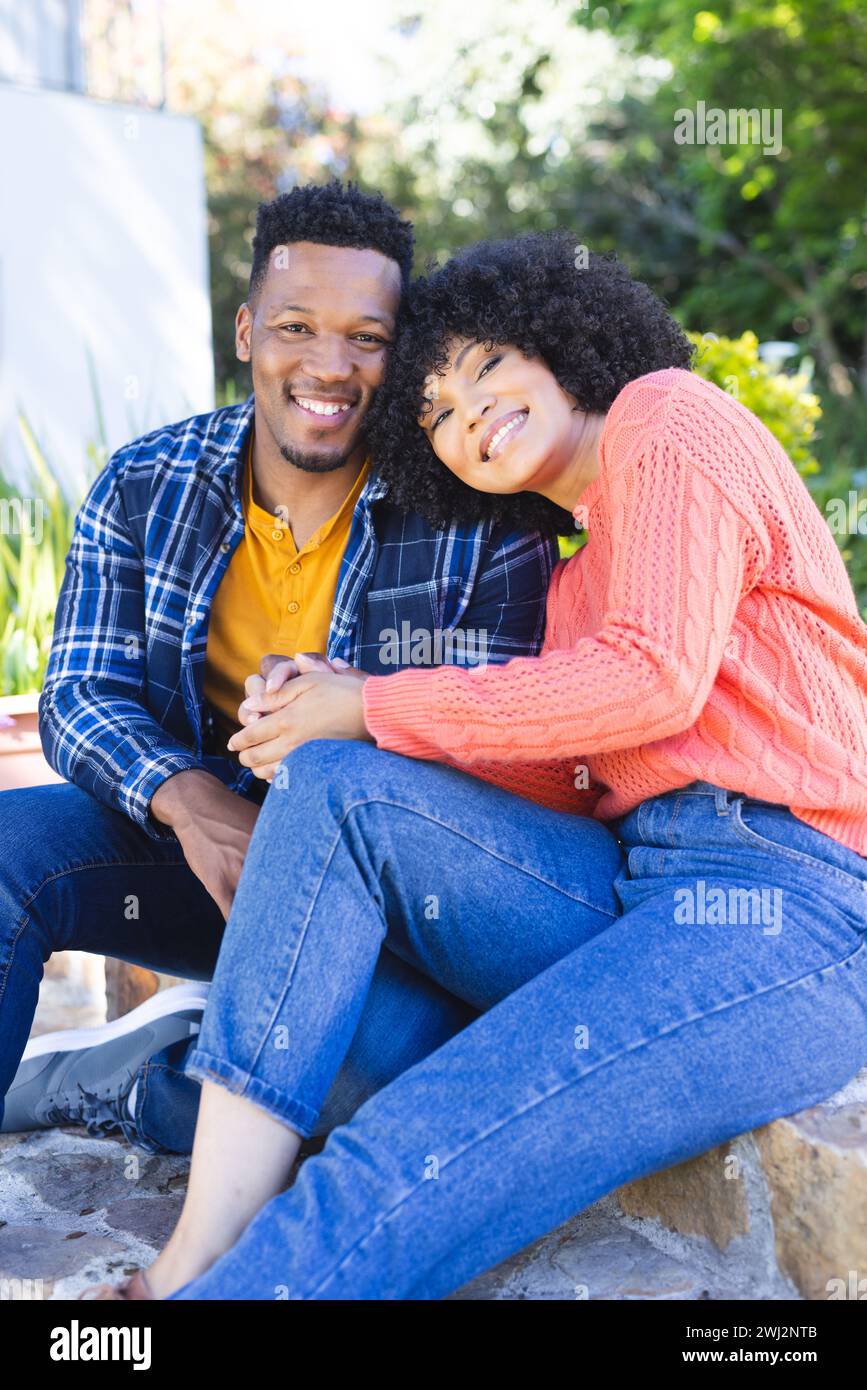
{"x":139,"y":137}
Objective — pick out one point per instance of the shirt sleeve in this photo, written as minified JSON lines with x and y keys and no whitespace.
{"x":94,"y":726}
{"x":680,"y":556}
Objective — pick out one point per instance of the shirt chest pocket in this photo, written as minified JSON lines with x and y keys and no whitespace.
{"x":409,"y":625}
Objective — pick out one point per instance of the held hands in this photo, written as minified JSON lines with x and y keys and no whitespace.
{"x":290,"y":702}
{"x":294,"y":700}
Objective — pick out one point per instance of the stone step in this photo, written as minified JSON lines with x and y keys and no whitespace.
{"x":792,"y":1194}
{"x":778,"y":1213}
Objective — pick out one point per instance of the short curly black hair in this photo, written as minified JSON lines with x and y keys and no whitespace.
{"x":332,"y":214}
{"x":595,"y":327}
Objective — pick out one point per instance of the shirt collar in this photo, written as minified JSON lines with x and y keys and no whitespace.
{"x":221,"y":462}
{"x":374,"y":489}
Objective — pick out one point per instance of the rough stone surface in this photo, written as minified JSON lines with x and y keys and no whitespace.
{"x":595,"y":1256}
{"x":772,"y":1215}
{"x":702,"y":1197}
{"x":38,"y":1252}
{"x":78,"y":1210}
{"x":816,"y":1164}
{"x":126,"y":986}
{"x":802,"y":1179}
{"x":152,"y":1219}
{"x":71,"y":995}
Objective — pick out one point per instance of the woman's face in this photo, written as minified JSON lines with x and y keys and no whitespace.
{"x":498,"y":420}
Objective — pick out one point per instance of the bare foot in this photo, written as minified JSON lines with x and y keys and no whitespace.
{"x":175,"y":1266}
{"x":135,"y":1288}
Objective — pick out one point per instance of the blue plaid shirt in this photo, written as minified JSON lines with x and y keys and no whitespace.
{"x":122,"y":705}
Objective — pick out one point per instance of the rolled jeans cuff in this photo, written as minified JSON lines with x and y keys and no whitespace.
{"x":205,"y":1067}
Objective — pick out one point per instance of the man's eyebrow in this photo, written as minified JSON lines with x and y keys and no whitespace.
{"x":304,"y":309}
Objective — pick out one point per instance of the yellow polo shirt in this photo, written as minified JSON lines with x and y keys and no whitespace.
{"x":273,"y":597}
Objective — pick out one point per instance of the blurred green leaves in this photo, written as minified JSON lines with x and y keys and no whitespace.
{"x":781,"y":400}
{"x":34,"y":540}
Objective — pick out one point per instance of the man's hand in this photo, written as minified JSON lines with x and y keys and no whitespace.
{"x":321,"y":700}
{"x":214,"y":827}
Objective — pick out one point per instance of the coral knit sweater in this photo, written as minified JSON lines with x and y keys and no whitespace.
{"x":706,"y":631}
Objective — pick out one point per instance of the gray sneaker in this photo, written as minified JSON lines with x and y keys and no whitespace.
{"x":84,"y":1075}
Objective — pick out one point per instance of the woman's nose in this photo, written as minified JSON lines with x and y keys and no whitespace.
{"x":478,"y":411}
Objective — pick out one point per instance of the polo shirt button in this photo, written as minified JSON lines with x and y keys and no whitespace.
{"x":293,"y":606}
{"x":295,"y":569}
{"x":276,"y":535}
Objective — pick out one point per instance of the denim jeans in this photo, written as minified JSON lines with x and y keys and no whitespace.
{"x":71,"y":870}
{"x":648,"y":991}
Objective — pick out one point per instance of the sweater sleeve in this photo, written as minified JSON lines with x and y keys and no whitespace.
{"x":680,"y":556}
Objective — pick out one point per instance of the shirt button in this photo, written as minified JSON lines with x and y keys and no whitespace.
{"x":276,"y":535}
{"x":225,"y":548}
{"x":295,"y":569}
{"x":293,"y":606}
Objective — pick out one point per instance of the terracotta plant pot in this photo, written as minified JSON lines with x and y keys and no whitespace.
{"x":22,"y":763}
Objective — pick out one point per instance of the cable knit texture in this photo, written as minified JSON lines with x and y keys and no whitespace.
{"x":706,"y":631}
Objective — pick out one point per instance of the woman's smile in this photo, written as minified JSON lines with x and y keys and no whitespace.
{"x":497,"y":435}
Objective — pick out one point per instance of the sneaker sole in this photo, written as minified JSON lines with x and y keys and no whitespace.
{"x":167,"y":1001}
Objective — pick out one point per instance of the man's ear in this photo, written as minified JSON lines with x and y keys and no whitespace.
{"x":243,"y":330}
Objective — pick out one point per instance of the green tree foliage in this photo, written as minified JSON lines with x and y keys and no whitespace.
{"x":782,"y":401}
{"x":780,"y":240}
{"x":264,"y":129}
{"x":562,"y":115}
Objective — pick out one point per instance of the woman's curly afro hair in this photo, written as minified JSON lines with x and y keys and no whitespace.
{"x":596,"y":328}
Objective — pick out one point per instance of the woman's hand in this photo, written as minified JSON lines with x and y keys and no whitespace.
{"x":274,"y":671}
{"x":317,"y":699}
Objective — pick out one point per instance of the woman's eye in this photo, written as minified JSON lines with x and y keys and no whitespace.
{"x":442,"y":416}
{"x":491,"y":362}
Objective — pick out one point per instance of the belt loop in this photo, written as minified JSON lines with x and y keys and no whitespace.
{"x":721,"y":798}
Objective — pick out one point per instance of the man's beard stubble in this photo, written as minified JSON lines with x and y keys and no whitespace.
{"x":315,"y":463}
{"x":309,"y":462}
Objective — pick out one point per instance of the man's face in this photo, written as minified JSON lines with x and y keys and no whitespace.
{"x":316,"y":335}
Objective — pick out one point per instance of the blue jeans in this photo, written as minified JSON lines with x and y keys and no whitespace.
{"x":644,"y":999}
{"x":70,"y":868}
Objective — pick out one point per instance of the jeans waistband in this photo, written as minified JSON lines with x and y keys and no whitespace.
{"x":831,"y":850}
{"x":722,"y":796}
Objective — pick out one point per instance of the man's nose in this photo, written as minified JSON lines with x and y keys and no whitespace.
{"x":328,"y":359}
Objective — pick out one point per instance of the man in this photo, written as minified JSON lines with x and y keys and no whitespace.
{"x":261,"y":528}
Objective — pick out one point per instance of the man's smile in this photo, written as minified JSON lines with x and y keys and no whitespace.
{"x":326,"y":411}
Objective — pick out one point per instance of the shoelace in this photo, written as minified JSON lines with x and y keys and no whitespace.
{"x":100,"y":1114}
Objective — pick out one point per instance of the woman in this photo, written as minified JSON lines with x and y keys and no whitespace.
{"x":660,"y":907}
